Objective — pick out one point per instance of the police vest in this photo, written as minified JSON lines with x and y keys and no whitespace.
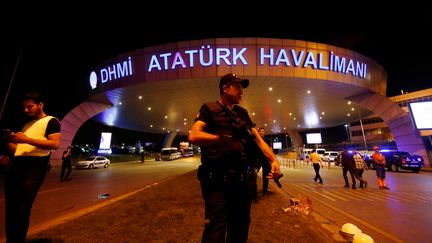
{"x":220,"y":123}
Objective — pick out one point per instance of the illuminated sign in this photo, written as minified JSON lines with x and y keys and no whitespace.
{"x":189,"y":57}
{"x":147,"y":65}
{"x":207,"y":56}
{"x":105,"y":140}
{"x":421,"y":112}
{"x":111,"y":72}
{"x":277,"y":145}
{"x":313,"y":138}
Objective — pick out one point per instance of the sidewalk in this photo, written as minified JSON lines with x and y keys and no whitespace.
{"x":172,"y":211}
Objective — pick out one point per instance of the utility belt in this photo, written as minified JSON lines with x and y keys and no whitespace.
{"x":217,"y":175}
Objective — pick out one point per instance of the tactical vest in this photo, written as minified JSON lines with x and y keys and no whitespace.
{"x":220,"y":155}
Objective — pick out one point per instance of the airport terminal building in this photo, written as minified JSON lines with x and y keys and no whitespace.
{"x":295,"y":85}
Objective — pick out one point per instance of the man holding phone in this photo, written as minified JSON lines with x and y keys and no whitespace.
{"x":31,"y":149}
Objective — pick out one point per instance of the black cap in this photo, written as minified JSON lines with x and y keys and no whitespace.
{"x":232,"y":78}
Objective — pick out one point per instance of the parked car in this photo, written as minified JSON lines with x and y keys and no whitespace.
{"x":396,"y":160}
{"x":93,"y":162}
{"x":330,"y":156}
{"x":187,"y":153}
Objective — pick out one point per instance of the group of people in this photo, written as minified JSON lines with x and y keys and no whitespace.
{"x":226,"y":172}
{"x":229,"y":143}
{"x":354,"y":164}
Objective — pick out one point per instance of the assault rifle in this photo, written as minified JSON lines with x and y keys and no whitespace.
{"x":243,"y":131}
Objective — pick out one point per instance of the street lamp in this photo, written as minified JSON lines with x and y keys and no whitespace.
{"x":347,"y":131}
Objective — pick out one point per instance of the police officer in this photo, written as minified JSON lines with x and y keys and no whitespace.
{"x":226,"y":167}
{"x":265,"y":166}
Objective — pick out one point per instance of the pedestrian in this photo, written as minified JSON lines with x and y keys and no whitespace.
{"x":379,"y":165}
{"x":142,"y":156}
{"x":360,"y":166}
{"x":347,"y":162}
{"x":220,"y":129}
{"x":66,"y":164}
{"x":316,"y":160}
{"x":266,"y":168}
{"x":31,"y":149}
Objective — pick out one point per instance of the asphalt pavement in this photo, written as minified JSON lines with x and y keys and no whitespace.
{"x":58,"y":223}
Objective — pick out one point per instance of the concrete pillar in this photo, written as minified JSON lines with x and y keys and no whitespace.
{"x":169,"y":138}
{"x":296,"y":138}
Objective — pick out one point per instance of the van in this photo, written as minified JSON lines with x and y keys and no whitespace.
{"x":304,"y":153}
{"x":170,"y":153}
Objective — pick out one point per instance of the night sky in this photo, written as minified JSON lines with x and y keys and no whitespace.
{"x":57,"y":55}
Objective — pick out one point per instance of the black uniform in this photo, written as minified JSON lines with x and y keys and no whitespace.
{"x":348,"y":165}
{"x":66,"y":165}
{"x":225,"y":176}
{"x":266,"y":169}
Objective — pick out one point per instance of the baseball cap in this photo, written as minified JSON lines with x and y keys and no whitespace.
{"x":375,"y":147}
{"x":232,"y":78}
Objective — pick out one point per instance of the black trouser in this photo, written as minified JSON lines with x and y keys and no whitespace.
{"x":227,"y":208}
{"x":317,"y":174}
{"x":253,"y":184}
{"x":344,"y":173}
{"x":22,"y":184}
{"x":66,"y":165}
{"x":359,"y":176}
{"x":266,"y":168}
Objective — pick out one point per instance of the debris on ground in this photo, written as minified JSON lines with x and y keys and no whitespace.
{"x":298,"y":206}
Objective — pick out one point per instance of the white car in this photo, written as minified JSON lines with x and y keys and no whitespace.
{"x":93,"y":162}
{"x":330,"y":156}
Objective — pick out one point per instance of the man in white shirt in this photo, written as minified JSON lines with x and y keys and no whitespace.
{"x":31,"y":149}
